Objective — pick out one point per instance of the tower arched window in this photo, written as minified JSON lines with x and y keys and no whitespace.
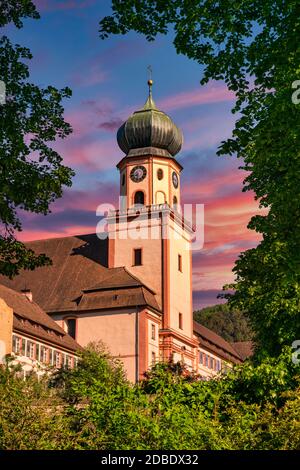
{"x":139,"y":198}
{"x":175,"y":201}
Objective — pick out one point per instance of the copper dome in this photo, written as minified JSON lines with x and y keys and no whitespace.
{"x":150,"y":128}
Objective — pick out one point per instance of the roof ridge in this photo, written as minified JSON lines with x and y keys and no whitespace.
{"x":59,"y":238}
{"x":109,"y":276}
{"x":141,"y":282}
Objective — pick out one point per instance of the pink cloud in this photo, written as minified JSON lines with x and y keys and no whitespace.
{"x":207,"y":186}
{"x":89,"y":199}
{"x":86,"y":118}
{"x":90,"y":156}
{"x":93,"y":76}
{"x":211,"y":93}
{"x":216,"y":263}
{"x":227,"y":212}
{"x":85,"y":147}
{"x":30,"y":235}
{"x":207,"y":132}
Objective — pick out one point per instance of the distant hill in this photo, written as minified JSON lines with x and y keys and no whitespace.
{"x":233,"y":326}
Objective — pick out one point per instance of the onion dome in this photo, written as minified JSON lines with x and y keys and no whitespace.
{"x":150,"y":131}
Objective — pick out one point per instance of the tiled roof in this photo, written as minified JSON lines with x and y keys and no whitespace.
{"x":117,"y":277}
{"x":79,"y":267}
{"x":244,"y":349}
{"x":117,"y":298}
{"x":211,"y":340}
{"x":30,"y":319}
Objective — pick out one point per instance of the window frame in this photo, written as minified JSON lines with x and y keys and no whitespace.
{"x":57,"y":358}
{"x":134,"y":256}
{"x":206,"y":360}
{"x":17,"y":345}
{"x":179,"y":262}
{"x":153,"y":357}
{"x":201,"y":357}
{"x":139,"y":204}
{"x":153,"y":332}
{"x":66,"y":320}
{"x":180,"y":321}
{"x":160,"y":172}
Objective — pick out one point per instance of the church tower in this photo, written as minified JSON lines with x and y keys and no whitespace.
{"x":148,"y":234}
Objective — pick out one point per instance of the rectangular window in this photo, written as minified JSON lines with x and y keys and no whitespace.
{"x":218,"y":365}
{"x":153,"y":357}
{"x":180,"y":263}
{"x":16,"y":344}
{"x":71,"y":327}
{"x":201,"y":357}
{"x":51,"y":356}
{"x":137,"y":257}
{"x":153,"y":331}
{"x":64,"y":359}
{"x":211,"y":362}
{"x":44,"y":354}
{"x":57,"y":359}
{"x":206,"y":360}
{"x":23,"y":346}
{"x":37,"y":352}
{"x":70,"y":362}
{"x":180,"y":321}
{"x":30,"y":349}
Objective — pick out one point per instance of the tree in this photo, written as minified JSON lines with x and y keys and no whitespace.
{"x":253,"y":46}
{"x":232,"y":324}
{"x":31,"y":172}
{"x":96,"y":368}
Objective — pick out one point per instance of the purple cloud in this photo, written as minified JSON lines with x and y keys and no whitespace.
{"x":112,"y":125}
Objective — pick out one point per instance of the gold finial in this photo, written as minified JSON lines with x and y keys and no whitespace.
{"x":150,"y":81}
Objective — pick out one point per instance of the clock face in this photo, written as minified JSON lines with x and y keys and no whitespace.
{"x":138,"y":173}
{"x":175,"y":179}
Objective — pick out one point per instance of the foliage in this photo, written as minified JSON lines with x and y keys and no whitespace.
{"x":96,"y":369}
{"x":31,"y":171}
{"x":231,"y":324}
{"x":94,"y":407}
{"x":25,"y":420}
{"x":14,"y":10}
{"x":253,"y":46}
{"x":243,"y":410}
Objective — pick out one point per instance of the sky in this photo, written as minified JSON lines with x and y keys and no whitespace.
{"x":109,"y":81}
